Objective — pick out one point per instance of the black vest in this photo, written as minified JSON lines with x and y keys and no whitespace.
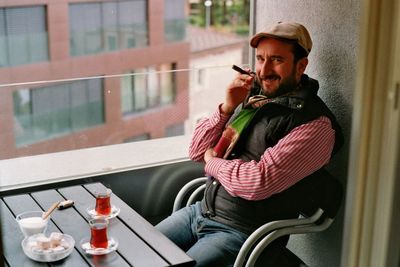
{"x":271,"y":123}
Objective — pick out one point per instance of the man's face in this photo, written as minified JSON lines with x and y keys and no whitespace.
{"x":276,"y":71}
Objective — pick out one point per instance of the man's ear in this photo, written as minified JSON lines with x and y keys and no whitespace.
{"x":301,"y":66}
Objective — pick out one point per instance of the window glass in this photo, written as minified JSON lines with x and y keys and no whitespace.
{"x":107,"y":26}
{"x":110,"y":25}
{"x":92,"y":28}
{"x":3,"y":39}
{"x":200,"y":76}
{"x":37,"y":28}
{"x":134,"y":91}
{"x":174,"y":20}
{"x":105,"y":81}
{"x":95,"y":102}
{"x":127,"y":91}
{"x":85,"y":28}
{"x":167,"y":83}
{"x":148,"y":88}
{"x":133,"y":24}
{"x":140,"y":101}
{"x":80,"y":113}
{"x":46,"y":112}
{"x":152,"y":88}
{"x":23,"y":35}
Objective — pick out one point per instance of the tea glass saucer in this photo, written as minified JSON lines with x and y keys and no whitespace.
{"x":112,"y":246}
{"x":93,"y":214}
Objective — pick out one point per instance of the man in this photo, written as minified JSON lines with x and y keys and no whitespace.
{"x":281,"y":134}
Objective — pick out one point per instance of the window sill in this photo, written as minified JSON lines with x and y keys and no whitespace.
{"x":76,"y":164}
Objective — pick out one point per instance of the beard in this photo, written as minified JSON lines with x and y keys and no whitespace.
{"x":286,"y":85}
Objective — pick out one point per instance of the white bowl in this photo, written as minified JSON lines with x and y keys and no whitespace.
{"x":31,"y":222}
{"x":49,"y":254}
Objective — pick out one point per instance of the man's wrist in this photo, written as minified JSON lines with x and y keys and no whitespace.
{"x":210,"y":154}
{"x":226,"y":110}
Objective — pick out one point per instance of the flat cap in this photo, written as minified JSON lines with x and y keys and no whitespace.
{"x":285,"y":30}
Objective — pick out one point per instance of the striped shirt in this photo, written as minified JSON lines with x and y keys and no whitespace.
{"x":304,"y":150}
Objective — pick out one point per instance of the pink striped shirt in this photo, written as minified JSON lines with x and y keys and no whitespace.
{"x":304,"y":150}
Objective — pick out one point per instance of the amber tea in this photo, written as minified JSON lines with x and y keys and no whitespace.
{"x":98,"y":233}
{"x":103,"y":202}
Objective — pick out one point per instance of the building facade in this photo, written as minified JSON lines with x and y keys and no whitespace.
{"x":211,"y":58}
{"x":83,"y":73}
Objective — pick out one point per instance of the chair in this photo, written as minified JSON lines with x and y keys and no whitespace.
{"x":320,"y":195}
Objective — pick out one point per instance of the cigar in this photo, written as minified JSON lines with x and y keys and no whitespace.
{"x":242,"y":71}
{"x":65,"y":204}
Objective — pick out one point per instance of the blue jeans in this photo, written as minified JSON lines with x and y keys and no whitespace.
{"x":208,"y":242}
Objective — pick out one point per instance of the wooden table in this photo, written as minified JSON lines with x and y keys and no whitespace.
{"x":140,"y":244}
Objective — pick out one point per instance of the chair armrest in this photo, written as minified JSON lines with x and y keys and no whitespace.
{"x":195,"y":195}
{"x":271,"y":226}
{"x":298,"y":229}
{"x":195,"y":183}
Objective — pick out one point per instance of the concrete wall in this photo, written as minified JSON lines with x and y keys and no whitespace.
{"x":334,"y":28}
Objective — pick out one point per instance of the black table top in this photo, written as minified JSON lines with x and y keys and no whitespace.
{"x":140,"y":244}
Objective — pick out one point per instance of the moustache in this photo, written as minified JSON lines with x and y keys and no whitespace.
{"x":270,"y":77}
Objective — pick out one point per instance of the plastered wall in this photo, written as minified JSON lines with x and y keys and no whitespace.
{"x":334,"y":27}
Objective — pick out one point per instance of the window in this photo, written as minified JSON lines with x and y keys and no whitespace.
{"x":153,"y":90}
{"x":200,"y":76}
{"x":43,"y":113}
{"x":148,"y":88}
{"x":108,"y":26}
{"x":133,"y":88}
{"x":167,"y":83}
{"x":23,"y":35}
{"x":175,"y":20}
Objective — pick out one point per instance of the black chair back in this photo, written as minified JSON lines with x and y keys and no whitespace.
{"x":319,"y":190}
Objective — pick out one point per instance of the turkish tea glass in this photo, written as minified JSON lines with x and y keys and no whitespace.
{"x":98,"y":233}
{"x":103,"y":202}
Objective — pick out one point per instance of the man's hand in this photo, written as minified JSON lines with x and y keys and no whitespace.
{"x":210,"y":153}
{"x":236,"y":92}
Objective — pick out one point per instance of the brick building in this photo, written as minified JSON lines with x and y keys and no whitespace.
{"x":83,"y":73}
